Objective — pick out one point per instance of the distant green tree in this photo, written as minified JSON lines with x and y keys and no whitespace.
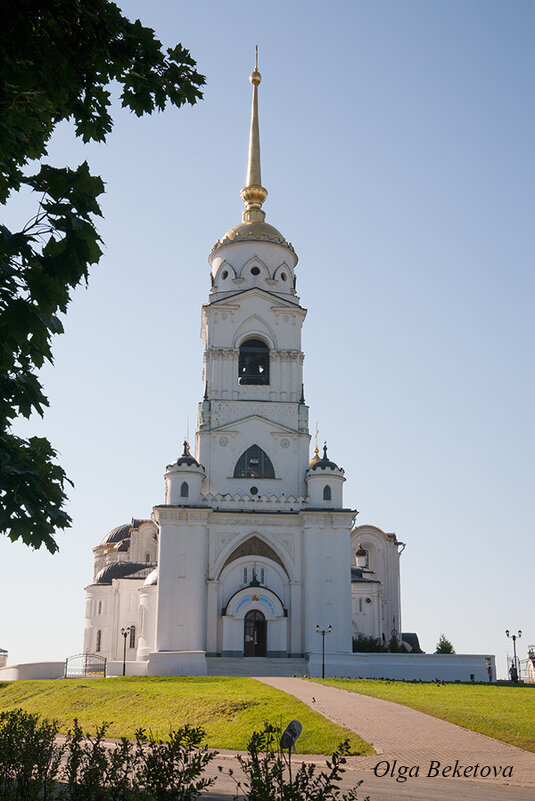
{"x":395,"y":646}
{"x":58,"y":59}
{"x":444,"y":646}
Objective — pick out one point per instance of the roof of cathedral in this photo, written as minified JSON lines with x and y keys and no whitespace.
{"x":118,"y":570}
{"x":117,"y":534}
{"x":358,"y":578}
{"x":122,"y":532}
{"x":257,"y":231}
{"x":152,"y":578}
{"x":324,"y":462}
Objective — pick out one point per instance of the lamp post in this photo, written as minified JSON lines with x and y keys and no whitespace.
{"x":125,"y":633}
{"x":514,"y":638}
{"x":323,"y":632}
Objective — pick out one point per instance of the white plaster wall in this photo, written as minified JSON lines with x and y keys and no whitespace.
{"x":181,"y":606}
{"x":406,"y":667}
{"x":316,"y":483}
{"x":148,"y":596}
{"x":143,"y":541}
{"x":174,"y":479}
{"x":367,"y":620}
{"x":253,"y":315}
{"x":99,"y":597}
{"x":33,"y":670}
{"x":286,"y":448}
{"x":384,"y":564}
{"x":327,"y":579}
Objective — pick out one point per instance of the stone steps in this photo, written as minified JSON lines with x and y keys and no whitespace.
{"x":256,"y":666}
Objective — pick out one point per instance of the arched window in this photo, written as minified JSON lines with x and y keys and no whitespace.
{"x":254,"y":463}
{"x":184,"y":489}
{"x":327,"y":496}
{"x":132,"y":636}
{"x":147,"y":557}
{"x":98,"y":641}
{"x":253,"y":365}
{"x":100,"y":607}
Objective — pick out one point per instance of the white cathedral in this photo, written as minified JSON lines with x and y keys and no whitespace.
{"x":253,"y":549}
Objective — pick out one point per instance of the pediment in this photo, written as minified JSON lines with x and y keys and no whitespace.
{"x":230,"y":428}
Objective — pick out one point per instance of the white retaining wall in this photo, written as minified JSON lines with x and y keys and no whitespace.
{"x":407,"y":667}
{"x":33,"y":670}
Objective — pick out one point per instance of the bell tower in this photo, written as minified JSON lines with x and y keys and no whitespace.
{"x":253,"y":433}
{"x":254,"y":539}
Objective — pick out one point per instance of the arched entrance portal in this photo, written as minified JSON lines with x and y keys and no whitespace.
{"x":254,"y":633}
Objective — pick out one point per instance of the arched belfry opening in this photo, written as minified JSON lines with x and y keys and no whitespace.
{"x":254,"y":463}
{"x":253,"y":365}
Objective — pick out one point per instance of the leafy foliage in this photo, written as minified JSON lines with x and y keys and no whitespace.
{"x":444,"y":646}
{"x":362,"y":643}
{"x":29,"y":756}
{"x":268,"y":776}
{"x":58,"y":60}
{"x":371,"y":645}
{"x":35,"y":767}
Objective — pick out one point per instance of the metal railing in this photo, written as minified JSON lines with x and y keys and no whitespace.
{"x":85,"y":666}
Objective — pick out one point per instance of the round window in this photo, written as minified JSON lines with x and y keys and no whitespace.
{"x":254,"y":490}
{"x":224,"y":274}
{"x":255,"y":271}
{"x":284,"y":276}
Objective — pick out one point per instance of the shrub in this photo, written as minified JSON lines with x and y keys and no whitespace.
{"x":268,"y":776}
{"x":370,"y":645}
{"x":29,"y":757}
{"x":93,"y":770}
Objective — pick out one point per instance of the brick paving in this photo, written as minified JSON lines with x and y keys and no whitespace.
{"x":412,"y":738}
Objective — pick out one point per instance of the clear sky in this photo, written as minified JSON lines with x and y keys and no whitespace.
{"x":397,"y":148}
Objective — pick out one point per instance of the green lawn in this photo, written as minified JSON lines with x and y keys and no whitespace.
{"x":228,"y":709}
{"x":504,"y":712}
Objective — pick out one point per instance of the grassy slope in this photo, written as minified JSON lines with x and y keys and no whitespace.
{"x":504,"y":712}
{"x":228,"y":709}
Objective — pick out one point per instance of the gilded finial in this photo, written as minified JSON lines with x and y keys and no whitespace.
{"x":254,"y":194}
{"x":316,"y":456}
{"x":255,"y":76}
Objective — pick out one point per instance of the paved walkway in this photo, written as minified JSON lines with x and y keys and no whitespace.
{"x":405,"y":736}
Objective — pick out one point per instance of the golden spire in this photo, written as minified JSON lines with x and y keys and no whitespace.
{"x":254,"y":194}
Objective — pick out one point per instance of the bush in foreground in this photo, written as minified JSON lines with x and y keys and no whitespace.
{"x":268,"y":775}
{"x":35,"y":767}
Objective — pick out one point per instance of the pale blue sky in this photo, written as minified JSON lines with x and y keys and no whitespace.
{"x":397,"y":148}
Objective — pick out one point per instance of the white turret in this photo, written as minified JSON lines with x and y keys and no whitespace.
{"x":183,"y":480}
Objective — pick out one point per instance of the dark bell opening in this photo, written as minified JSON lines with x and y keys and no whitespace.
{"x":253,"y":367}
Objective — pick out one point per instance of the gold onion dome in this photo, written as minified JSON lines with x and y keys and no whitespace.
{"x":254,"y":194}
{"x":315,"y":458}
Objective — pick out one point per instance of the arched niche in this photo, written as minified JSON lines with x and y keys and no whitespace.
{"x":254,"y":463}
{"x":254,"y":546}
